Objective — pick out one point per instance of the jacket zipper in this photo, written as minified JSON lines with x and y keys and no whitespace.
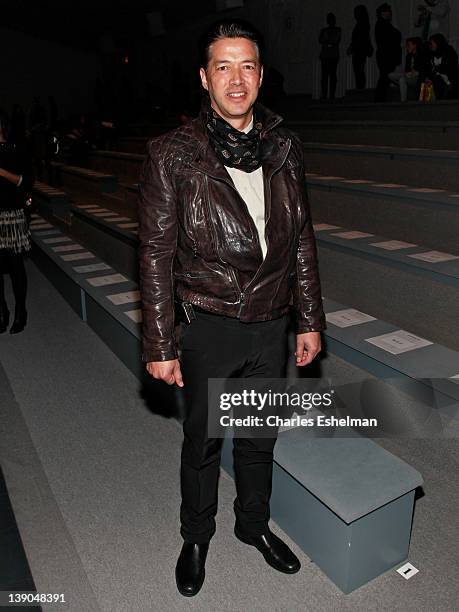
{"x":241,"y":304}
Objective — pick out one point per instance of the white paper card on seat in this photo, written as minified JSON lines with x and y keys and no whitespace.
{"x":77,"y":256}
{"x":399,"y":342}
{"x":434,"y":256}
{"x":393,"y":245}
{"x":57,"y":239}
{"x":321,"y":227}
{"x":348,"y":317}
{"x":92,"y":268}
{"x":135,"y":315}
{"x":111,"y":279}
{"x":67,"y":247}
{"x":352,"y":235}
{"x":124,"y":298}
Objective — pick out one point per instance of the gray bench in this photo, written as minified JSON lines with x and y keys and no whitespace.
{"x":438,"y":134}
{"x":83,"y":183}
{"x":427,"y":372}
{"x":381,"y":282}
{"x":347,"y":503}
{"x":125,"y":166}
{"x":409,"y":165}
{"x":424,"y":216}
{"x":52,"y":201}
{"x":350,"y":504}
{"x":117,"y":245}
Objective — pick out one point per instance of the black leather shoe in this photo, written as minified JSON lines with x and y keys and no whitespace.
{"x":276,"y":553}
{"x":20,"y":320}
{"x":190,"y":569}
{"x":4,"y":317}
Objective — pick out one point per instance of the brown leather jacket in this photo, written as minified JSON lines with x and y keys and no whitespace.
{"x":199,"y":242}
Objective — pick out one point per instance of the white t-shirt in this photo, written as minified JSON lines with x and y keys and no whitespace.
{"x":251,"y":189}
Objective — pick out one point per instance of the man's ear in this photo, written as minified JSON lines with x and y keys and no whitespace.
{"x":202,"y":74}
{"x":261,"y":75}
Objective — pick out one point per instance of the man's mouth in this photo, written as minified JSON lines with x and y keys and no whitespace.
{"x":236,"y":94}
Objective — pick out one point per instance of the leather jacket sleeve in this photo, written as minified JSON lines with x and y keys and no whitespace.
{"x":157,"y":210}
{"x":307,"y":295}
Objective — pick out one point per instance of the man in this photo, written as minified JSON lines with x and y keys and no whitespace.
{"x":388,"y":49}
{"x":225,"y":228}
{"x":415,"y":68}
{"x":329,"y":39}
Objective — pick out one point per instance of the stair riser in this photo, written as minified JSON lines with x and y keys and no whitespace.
{"x":437,"y":173}
{"x":431,"y":138}
{"x":119,"y":254}
{"x":126,"y":170}
{"x":396,"y":218}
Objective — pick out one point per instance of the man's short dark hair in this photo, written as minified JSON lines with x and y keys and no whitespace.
{"x":383,"y":8}
{"x":415,"y":40}
{"x":228,"y":28}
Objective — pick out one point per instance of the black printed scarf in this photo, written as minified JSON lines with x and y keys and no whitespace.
{"x":235,"y":149}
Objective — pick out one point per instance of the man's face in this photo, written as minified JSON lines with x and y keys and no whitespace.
{"x":387,"y":15}
{"x":410,"y":47}
{"x":233,"y":77}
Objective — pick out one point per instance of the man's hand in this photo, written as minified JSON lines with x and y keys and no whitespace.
{"x":308,"y":345}
{"x":168,"y":371}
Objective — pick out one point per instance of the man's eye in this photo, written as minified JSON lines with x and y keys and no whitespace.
{"x":250,"y":67}
{"x":222,"y":67}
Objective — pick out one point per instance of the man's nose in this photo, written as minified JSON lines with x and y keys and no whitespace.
{"x":236,"y":76}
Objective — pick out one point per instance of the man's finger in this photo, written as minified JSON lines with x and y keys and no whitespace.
{"x":178,"y":376}
{"x":299,"y":350}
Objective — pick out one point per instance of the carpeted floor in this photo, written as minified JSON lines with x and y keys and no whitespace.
{"x":93,"y":479}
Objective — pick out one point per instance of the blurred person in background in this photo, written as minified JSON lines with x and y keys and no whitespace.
{"x":360,"y":48}
{"x":15,"y":186}
{"x":388,"y":49}
{"x":329,"y":39}
{"x":443,"y":71}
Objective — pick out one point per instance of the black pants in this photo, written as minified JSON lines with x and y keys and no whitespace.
{"x":383,"y":83}
{"x":13,"y":264}
{"x":359,"y":63}
{"x":329,"y":69}
{"x":221,"y":347}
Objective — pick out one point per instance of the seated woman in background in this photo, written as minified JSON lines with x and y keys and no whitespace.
{"x":443,"y":70}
